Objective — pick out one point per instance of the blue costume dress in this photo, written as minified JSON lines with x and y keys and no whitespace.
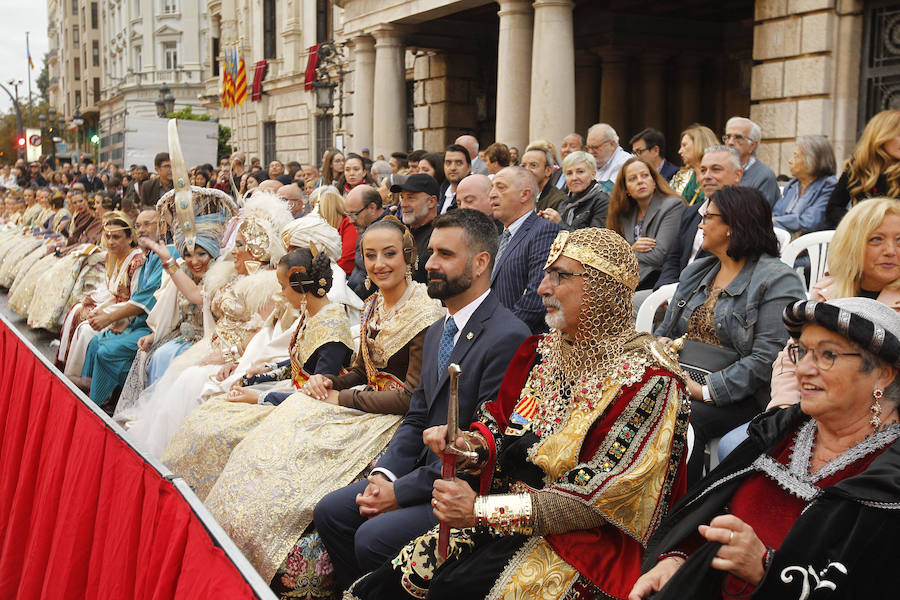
{"x":109,"y":355}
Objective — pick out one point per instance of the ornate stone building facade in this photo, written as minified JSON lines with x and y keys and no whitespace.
{"x":148,"y":45}
{"x":281,"y":120}
{"x":73,"y":65}
{"x":422,"y":71}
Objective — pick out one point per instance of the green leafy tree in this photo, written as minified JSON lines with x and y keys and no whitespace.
{"x":43,"y":80}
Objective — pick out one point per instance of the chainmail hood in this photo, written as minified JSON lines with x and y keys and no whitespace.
{"x":606,"y":322}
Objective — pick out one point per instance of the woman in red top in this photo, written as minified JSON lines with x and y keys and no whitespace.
{"x":809,"y":505}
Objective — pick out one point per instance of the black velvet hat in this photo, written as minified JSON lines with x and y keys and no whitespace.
{"x":869,"y":323}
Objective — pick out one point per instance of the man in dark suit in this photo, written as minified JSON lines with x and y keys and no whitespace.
{"x":720,"y":166}
{"x":366,"y":523}
{"x":523,"y":247}
{"x":457,"y":165}
{"x":153,"y":189}
{"x":90,"y":180}
{"x":650,"y":144}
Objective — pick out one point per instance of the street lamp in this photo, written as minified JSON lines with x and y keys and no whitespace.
{"x":20,"y":131}
{"x":330,"y":59}
{"x":50,"y":121}
{"x":78,"y":121}
{"x":165,"y":104}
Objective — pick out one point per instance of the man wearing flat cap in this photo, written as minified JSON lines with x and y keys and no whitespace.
{"x":418,"y":208}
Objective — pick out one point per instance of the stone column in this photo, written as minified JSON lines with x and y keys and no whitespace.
{"x":689,"y":90}
{"x":654,"y":95}
{"x":389,"y":104}
{"x":514,"y":72}
{"x":363,"y":91}
{"x":552,"y":111}
{"x":613,"y":93}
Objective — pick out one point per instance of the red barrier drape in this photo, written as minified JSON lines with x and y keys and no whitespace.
{"x":81,"y":514}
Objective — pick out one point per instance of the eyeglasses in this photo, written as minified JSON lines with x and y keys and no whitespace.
{"x":354,"y":213}
{"x":706,"y":217}
{"x":556,"y":277}
{"x":823,"y":359}
{"x":592,"y":147}
{"x":639,"y":151}
{"x":734,"y":136}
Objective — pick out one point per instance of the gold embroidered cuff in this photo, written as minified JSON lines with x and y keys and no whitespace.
{"x":504,"y":514}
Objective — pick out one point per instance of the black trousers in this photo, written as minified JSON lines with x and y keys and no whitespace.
{"x":710,"y":421}
{"x":358,"y":545}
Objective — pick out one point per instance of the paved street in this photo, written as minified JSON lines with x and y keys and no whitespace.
{"x":40,"y":338}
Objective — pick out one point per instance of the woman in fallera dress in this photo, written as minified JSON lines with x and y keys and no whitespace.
{"x":176,"y":321}
{"x":320,"y":344}
{"x":324,"y":436}
{"x":236,"y":298}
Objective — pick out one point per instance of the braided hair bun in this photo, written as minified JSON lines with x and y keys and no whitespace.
{"x":307,"y":273}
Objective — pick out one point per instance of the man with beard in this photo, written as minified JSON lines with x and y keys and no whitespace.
{"x":418,"y":208}
{"x":578,"y":457}
{"x":367,"y":522}
{"x":110,"y":354}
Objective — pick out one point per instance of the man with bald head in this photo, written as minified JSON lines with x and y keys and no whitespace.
{"x":269,"y":185}
{"x":471,"y":144}
{"x":473,"y":192}
{"x":362,"y":207}
{"x":293,"y":195}
{"x":603,"y":144}
{"x":523,"y":247}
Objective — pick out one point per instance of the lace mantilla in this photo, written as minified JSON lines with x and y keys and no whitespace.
{"x":796,"y":478}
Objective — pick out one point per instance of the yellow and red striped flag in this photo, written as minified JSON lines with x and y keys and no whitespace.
{"x":240,"y":84}
{"x":227,"y":82}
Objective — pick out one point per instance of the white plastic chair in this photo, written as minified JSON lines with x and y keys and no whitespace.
{"x":816,"y":246}
{"x":644,"y":319}
{"x":784,"y":238}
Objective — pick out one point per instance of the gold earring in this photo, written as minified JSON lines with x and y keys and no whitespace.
{"x":875,"y":421}
{"x":368,"y":283}
{"x":408,"y":273}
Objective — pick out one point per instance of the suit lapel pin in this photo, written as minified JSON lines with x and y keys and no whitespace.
{"x":470,"y":335}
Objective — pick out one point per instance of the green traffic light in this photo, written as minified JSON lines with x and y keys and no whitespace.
{"x":95,"y":139}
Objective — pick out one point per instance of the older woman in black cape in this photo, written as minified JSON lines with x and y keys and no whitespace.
{"x":809,"y":505}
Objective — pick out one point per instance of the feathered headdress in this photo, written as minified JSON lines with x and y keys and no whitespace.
{"x":194,"y":215}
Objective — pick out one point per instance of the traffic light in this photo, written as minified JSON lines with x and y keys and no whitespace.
{"x":95,"y":139}
{"x":21,"y":141}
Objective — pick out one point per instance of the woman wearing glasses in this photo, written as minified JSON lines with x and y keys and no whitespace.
{"x":809,"y":501}
{"x":863,"y":260}
{"x":733,"y":299}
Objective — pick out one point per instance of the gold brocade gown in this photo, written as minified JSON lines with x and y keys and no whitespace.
{"x":306,"y":448}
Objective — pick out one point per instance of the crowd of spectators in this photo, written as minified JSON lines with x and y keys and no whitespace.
{"x":88,"y":249}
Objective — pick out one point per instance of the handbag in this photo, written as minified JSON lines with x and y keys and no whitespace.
{"x":698,"y":359}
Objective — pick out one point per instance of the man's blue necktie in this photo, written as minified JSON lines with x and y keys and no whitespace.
{"x":446,"y":346}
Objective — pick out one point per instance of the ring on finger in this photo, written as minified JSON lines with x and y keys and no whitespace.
{"x":731,"y":538}
{"x":434,"y":503}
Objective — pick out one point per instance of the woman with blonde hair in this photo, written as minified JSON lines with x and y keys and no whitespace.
{"x":863,"y":260}
{"x":694,"y":140}
{"x":330,"y":206}
{"x":872,"y":170}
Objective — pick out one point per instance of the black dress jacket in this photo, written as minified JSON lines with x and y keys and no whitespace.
{"x":844,"y":545}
